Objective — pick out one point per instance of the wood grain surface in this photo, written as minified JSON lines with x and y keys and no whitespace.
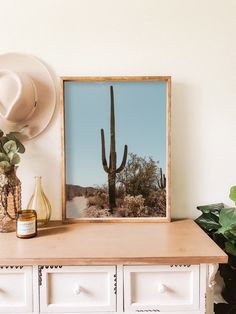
{"x":180,"y":242}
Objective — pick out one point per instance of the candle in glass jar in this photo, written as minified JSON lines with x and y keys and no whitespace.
{"x":26,"y":224}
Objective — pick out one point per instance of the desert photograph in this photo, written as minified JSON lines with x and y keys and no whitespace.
{"x":115,"y":149}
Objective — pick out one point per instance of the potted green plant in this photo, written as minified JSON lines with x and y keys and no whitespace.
{"x":219,"y":222}
{"x":10,"y":185}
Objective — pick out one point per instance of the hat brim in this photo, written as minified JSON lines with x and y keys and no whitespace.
{"x":46,"y":94}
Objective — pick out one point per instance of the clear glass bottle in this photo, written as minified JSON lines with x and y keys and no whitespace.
{"x":40,"y":204}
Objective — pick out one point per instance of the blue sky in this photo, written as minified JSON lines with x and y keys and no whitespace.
{"x":140,"y":113}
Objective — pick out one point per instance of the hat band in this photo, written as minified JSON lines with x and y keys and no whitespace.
{"x":35,"y":102}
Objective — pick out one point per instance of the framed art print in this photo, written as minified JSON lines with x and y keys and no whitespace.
{"x":116,"y":148}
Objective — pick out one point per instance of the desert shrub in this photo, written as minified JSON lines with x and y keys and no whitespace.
{"x":157,"y":200}
{"x":96,"y":212}
{"x":133,"y":202}
{"x":134,"y":206}
{"x":99,"y":200}
{"x":140,"y":176}
{"x":99,"y":197}
{"x":120,"y":192}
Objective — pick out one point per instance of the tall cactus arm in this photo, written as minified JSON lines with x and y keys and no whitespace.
{"x":122,"y":166}
{"x":104,"y":160}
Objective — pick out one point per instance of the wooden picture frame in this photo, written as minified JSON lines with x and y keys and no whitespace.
{"x":130,"y":118}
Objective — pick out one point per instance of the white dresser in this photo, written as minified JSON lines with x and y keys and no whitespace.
{"x":109,"y":268}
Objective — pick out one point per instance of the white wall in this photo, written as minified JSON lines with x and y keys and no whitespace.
{"x":191,"y":40}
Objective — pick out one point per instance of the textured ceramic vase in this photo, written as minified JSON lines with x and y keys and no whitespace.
{"x":10,"y":200}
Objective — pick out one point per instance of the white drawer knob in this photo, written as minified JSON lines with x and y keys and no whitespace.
{"x":77,"y":290}
{"x":162,"y":288}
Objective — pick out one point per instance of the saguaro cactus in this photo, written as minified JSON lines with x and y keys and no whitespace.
{"x":162,"y":181}
{"x":112,"y":170}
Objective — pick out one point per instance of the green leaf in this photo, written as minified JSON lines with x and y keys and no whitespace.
{"x":3,"y":140}
{"x":211,"y":208}
{"x":232,"y":194}
{"x":5,"y":165}
{"x":230,"y":236}
{"x":15,"y":159}
{"x":227,"y":219}
{"x":208,"y":221}
{"x":10,"y":147}
{"x":3,"y":157}
{"x":233,"y":232}
{"x":230,"y":248}
{"x":13,"y":136}
{"x":20,"y":146}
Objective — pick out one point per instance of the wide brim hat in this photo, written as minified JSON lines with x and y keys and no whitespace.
{"x":27,"y":95}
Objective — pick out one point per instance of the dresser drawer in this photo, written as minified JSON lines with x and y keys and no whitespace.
{"x":75,"y":289}
{"x":161,"y":288}
{"x":16,"y":289}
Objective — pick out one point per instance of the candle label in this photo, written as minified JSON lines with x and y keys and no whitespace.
{"x":26,"y":227}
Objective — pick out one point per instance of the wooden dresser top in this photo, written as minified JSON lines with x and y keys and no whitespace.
{"x":179,"y":242}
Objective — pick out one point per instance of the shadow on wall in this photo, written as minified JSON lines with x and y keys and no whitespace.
{"x":182,"y":148}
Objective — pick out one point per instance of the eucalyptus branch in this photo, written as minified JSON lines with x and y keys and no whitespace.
{"x":10,"y":148}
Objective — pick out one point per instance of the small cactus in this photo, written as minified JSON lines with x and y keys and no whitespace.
{"x":161,"y":181}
